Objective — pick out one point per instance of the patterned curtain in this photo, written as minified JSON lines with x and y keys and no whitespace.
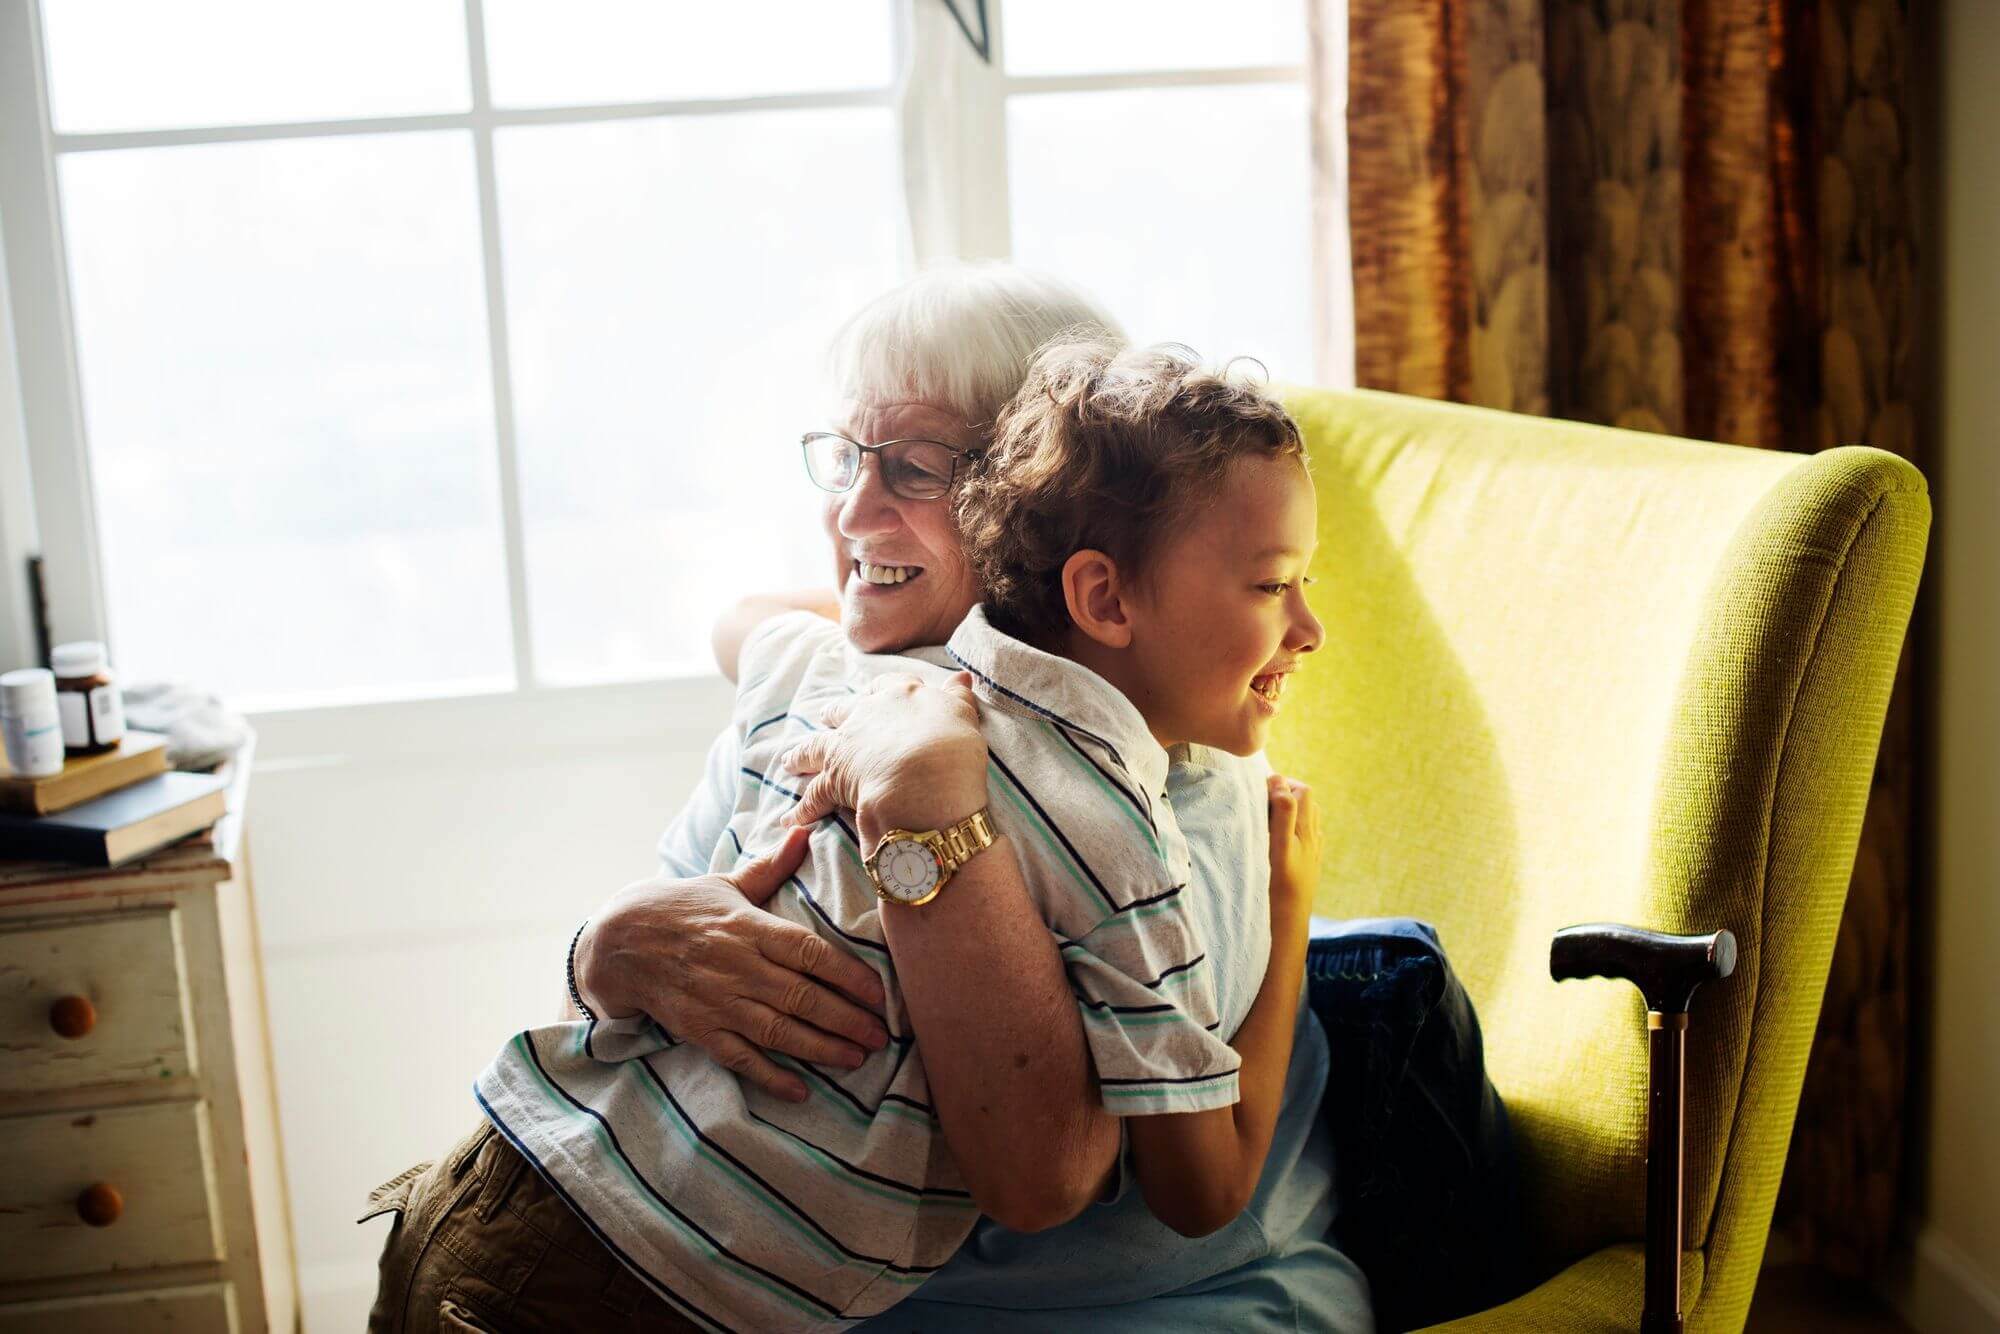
{"x":1691,"y":216}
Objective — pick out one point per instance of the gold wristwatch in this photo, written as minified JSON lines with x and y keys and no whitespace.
{"x":910,"y":866}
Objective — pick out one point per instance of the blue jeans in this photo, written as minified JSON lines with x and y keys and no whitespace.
{"x":1428,"y":1194}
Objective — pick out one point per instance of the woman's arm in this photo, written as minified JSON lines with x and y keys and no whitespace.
{"x":708,"y":964}
{"x":734,"y":626}
{"x":1004,"y":1051}
{"x":1198,"y":1170}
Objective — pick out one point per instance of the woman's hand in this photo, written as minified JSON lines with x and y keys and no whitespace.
{"x":900,"y":755}
{"x":1294,"y":847}
{"x":705,"y":962}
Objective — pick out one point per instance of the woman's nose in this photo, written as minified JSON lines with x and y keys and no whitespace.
{"x":869,"y":507}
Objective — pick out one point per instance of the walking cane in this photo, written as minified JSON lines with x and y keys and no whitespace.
{"x":1667,"y":970}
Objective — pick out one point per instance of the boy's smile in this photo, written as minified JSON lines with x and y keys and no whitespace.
{"x":1219,"y":619}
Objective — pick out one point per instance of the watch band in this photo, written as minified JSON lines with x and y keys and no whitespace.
{"x":957,"y":844}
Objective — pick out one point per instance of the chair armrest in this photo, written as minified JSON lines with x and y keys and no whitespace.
{"x":1600,"y":1292}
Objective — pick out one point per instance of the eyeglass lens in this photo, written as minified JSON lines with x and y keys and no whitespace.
{"x":912,"y":469}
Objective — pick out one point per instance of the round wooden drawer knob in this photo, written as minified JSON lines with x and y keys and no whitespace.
{"x":73,"y":1017}
{"x":100,"y":1205}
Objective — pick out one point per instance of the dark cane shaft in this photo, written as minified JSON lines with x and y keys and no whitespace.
{"x":1668,"y":971}
{"x":1667,"y":1045}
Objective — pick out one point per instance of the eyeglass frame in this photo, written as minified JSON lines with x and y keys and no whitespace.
{"x":958,"y":456}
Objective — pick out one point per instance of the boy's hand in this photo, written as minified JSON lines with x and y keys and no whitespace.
{"x":1294,"y":844}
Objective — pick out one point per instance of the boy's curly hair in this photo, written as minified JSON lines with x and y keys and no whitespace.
{"x":1104,"y":448}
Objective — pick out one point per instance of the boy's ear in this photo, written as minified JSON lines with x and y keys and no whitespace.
{"x":1096,"y":597}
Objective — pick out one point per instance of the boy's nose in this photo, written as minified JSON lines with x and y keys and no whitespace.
{"x":1307,"y":632}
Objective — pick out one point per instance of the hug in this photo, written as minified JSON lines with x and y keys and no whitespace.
{"x":1022,"y":1039}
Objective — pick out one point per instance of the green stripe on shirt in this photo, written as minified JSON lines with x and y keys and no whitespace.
{"x":1048,"y":838}
{"x":1118,"y":799}
{"x":758,"y":1195}
{"x":598,"y":1132}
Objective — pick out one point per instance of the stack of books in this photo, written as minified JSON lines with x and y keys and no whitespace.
{"x":105,"y":810}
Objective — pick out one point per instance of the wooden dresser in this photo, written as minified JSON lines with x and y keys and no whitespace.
{"x":141,"y":1185}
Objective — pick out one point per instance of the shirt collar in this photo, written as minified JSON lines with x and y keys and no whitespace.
{"x":1067,"y":693}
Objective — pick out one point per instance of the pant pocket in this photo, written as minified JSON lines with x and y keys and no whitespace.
{"x":455,"y":1317}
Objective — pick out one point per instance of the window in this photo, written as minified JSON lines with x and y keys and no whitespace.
{"x":1163,"y":165}
{"x":415,"y":347}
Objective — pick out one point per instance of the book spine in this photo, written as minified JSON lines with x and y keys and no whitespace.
{"x":55,"y":842}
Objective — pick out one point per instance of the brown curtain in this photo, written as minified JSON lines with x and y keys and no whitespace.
{"x":1693,"y":216}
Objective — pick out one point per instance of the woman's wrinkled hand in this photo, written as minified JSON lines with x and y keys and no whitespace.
{"x":1294,"y":845}
{"x":900,"y":755}
{"x":708,"y":964}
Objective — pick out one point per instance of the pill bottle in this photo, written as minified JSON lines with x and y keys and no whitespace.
{"x":93,"y":714}
{"x":32,"y":725}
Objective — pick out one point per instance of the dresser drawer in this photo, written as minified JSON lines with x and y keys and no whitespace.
{"x":117,"y":978}
{"x":155,"y":1156}
{"x":203,"y":1309}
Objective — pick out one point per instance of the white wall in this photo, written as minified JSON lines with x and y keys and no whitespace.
{"x":418,"y":870}
{"x":17,"y":515}
{"x":1954,"y":1284}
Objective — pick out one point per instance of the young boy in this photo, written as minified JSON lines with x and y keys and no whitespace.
{"x":1142,"y":528}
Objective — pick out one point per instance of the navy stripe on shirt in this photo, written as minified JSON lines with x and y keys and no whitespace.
{"x":1027,"y":703}
{"x":668,"y":1294}
{"x":834,"y":816}
{"x":1056,"y":829}
{"x":778,"y":718}
{"x":1145,"y":808}
{"x":1191,"y":1079}
{"x":905,"y":1187}
{"x":688,"y":1119}
{"x":652,"y":1190}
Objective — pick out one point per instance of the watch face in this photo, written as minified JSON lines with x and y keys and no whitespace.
{"x":908,"y":869}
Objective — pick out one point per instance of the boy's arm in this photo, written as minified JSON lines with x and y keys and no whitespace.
{"x":1198,"y":1170}
{"x":734,"y":626}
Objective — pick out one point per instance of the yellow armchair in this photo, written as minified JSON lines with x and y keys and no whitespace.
{"x":1579,"y":674}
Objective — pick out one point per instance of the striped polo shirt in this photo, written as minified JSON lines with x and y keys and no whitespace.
{"x":748,"y":1212}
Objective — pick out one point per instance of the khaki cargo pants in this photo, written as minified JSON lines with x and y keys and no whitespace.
{"x":481,"y":1242}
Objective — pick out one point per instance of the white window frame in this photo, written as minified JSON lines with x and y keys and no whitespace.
{"x":953,"y":123}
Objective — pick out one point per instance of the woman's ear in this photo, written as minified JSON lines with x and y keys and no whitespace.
{"x":1096,"y":597}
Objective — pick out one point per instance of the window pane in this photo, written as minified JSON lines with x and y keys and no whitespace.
{"x":286,"y":388}
{"x":1104,"y":36}
{"x":149,"y":65}
{"x":590,"y":52}
{"x":670,"y":285}
{"x":1194,"y":229}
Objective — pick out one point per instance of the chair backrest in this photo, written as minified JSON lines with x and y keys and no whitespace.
{"x":1573,"y":674}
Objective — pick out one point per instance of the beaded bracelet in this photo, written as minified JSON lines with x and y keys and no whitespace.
{"x":569,"y":969}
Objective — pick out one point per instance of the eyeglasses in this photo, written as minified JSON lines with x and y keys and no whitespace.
{"x":912,"y":469}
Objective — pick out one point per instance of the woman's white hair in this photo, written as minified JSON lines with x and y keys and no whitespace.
{"x":959,"y":336}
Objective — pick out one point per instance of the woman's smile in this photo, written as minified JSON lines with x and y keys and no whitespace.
{"x":885,"y":577}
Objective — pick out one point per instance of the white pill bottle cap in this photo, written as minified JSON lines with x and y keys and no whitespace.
{"x":86,"y":657}
{"x":27,"y":690}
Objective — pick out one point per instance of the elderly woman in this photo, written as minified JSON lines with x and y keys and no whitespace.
{"x":482,"y":1237}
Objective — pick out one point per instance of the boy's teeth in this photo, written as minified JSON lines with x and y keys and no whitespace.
{"x":887,"y":574}
{"x":1270,"y":687}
